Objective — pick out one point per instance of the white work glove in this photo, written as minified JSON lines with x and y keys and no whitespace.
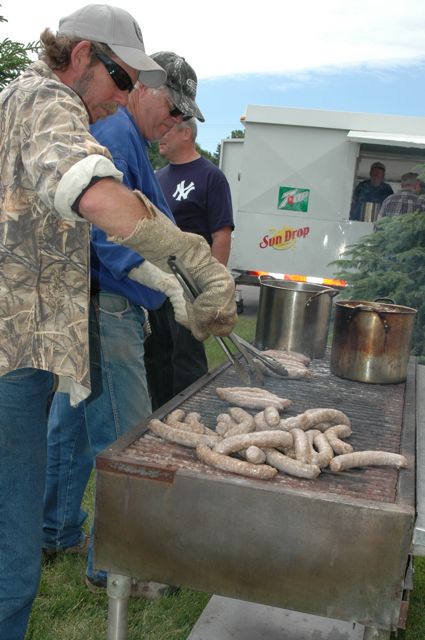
{"x":156,"y":238}
{"x":153,"y":277}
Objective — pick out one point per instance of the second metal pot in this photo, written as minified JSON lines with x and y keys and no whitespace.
{"x":371,"y":341}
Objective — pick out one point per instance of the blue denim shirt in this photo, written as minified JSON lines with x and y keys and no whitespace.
{"x":110,"y":263}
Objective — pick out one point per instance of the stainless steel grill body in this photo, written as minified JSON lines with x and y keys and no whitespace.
{"x":337,"y":546}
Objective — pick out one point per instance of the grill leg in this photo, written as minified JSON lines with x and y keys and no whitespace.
{"x":118,"y":589}
{"x":372,"y":633}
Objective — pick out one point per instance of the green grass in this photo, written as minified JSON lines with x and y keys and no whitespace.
{"x":66,"y":610}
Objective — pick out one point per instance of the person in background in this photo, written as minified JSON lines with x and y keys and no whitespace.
{"x":55,"y":180}
{"x":199,"y":197}
{"x":375,"y":189}
{"x":119,"y":295}
{"x":407,"y":200}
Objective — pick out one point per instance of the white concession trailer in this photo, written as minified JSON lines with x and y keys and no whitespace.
{"x":292,"y":179}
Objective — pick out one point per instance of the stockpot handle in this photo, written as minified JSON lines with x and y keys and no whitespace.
{"x":382,"y":318}
{"x":260,"y":278}
{"x":331,"y":292}
{"x":388,"y":300}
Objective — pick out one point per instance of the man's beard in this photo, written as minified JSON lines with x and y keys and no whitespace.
{"x":81,"y":87}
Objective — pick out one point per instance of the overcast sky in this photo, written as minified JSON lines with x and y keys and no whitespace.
{"x":292,"y":45}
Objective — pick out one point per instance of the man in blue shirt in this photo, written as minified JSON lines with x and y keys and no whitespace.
{"x":120,"y":398}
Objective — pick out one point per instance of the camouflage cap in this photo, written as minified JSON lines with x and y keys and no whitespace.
{"x":181,"y":81}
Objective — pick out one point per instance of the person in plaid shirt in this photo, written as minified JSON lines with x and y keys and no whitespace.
{"x":407,"y":200}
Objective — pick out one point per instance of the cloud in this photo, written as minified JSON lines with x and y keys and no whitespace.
{"x":275,"y":38}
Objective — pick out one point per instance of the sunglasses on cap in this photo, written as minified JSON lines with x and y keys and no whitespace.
{"x":175,"y":113}
{"x":117,"y":73}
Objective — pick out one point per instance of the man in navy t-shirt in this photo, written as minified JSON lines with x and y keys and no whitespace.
{"x":198,"y":195}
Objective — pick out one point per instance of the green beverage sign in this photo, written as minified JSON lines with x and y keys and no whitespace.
{"x":293,"y":199}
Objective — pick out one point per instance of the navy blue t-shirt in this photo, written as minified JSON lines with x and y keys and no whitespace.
{"x":198,"y":195}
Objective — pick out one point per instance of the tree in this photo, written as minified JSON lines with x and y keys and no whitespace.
{"x":14,"y":58}
{"x":159,"y":161}
{"x":236,"y":133}
{"x":390,"y":263}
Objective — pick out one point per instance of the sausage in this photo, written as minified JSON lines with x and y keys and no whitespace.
{"x":239,"y":429}
{"x":260,"y":422}
{"x":290,"y":466}
{"x":175,"y":416}
{"x":196,"y":427}
{"x":289,"y":355}
{"x":193,"y":416}
{"x":310,"y":434}
{"x":261,"y":439}
{"x":225,"y":417}
{"x":333,"y":434}
{"x":295,"y":371}
{"x":244,"y":422}
{"x":252,"y":397}
{"x":297,"y":422}
{"x":178,"y":436}
{"x":222,"y":428}
{"x":254,"y":402}
{"x":271,"y":416}
{"x":253,"y":454}
{"x":301,"y":445}
{"x":322,"y":426}
{"x":366,"y":459}
{"x":335,"y":416}
{"x":325,"y":451}
{"x":338,"y":430}
{"x":226,"y":463}
{"x":240,"y":415}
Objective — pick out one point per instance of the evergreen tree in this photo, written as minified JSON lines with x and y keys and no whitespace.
{"x":390,"y":263}
{"x":13,"y":58}
{"x":159,"y":161}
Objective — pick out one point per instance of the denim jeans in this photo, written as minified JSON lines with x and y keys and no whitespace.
{"x":118,"y":402}
{"x":24,"y":401}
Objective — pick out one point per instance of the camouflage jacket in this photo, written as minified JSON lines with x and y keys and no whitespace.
{"x":47,"y":157}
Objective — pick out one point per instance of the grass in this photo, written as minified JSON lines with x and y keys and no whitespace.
{"x":66,"y":610}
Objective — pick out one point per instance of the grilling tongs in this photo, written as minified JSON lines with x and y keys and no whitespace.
{"x":247,"y":352}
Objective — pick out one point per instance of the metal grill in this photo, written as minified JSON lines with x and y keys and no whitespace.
{"x":376,"y":413}
{"x":162,"y":515}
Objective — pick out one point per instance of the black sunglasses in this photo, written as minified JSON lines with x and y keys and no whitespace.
{"x":175,"y":112}
{"x":117,"y":73}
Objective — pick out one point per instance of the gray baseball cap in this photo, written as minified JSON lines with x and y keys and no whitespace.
{"x":181,"y":81}
{"x":119,"y":30}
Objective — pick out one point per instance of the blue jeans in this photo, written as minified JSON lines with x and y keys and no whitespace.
{"x":24,"y":401}
{"x":118,"y":402}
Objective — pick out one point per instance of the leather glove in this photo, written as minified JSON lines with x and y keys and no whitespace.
{"x":155,"y":278}
{"x":156,"y":238}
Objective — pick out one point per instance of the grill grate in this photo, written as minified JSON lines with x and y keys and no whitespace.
{"x":375,"y":411}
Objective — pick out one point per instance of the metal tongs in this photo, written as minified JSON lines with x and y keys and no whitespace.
{"x":246,"y":351}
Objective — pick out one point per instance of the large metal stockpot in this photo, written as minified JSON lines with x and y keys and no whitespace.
{"x":293,"y":315}
{"x":371,"y":341}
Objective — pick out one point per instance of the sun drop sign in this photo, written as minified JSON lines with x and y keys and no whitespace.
{"x":293,"y":199}
{"x":282,"y":239}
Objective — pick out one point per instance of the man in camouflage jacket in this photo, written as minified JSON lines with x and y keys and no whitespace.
{"x":54,"y":179}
